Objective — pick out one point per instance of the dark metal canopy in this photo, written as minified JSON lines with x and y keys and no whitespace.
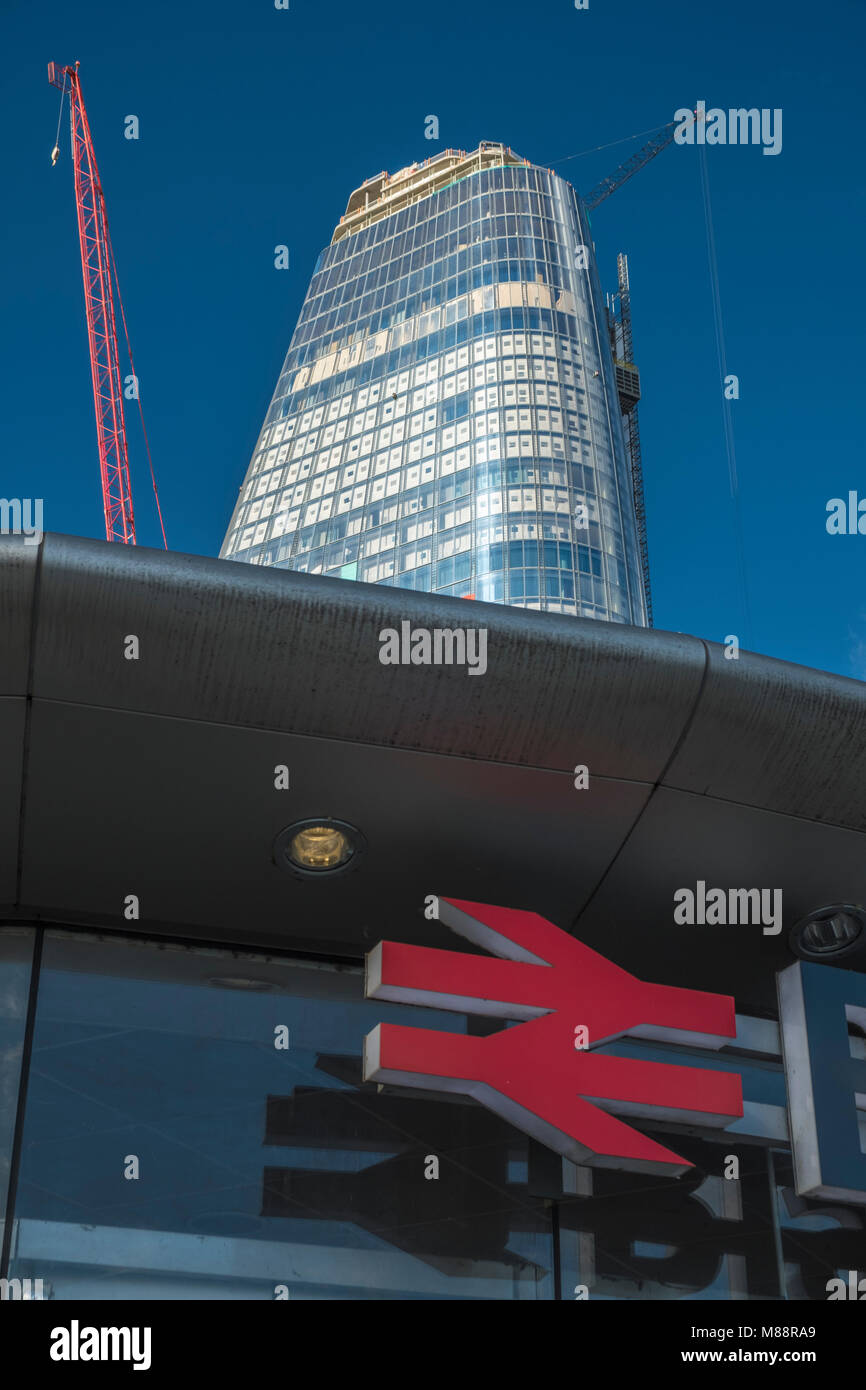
{"x":155,"y":776}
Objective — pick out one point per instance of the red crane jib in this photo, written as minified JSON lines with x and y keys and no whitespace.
{"x":97,"y":268}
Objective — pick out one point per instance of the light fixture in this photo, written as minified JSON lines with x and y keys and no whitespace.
{"x":317,"y":847}
{"x":828,"y":931}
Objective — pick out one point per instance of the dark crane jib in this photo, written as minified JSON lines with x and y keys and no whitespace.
{"x":641,"y":157}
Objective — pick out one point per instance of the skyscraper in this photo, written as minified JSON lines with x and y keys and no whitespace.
{"x":448,"y":415}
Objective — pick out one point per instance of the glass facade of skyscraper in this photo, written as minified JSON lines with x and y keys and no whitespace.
{"x":447,"y":416}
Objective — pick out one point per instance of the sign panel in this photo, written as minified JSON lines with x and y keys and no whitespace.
{"x":554,"y":1075}
{"x":826,"y":1077}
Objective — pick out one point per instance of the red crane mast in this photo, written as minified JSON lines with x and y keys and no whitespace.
{"x":97,"y":265}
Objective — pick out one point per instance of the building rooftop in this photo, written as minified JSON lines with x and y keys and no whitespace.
{"x":384,"y":193}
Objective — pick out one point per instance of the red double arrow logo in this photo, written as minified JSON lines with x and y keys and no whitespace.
{"x":543,"y":1076}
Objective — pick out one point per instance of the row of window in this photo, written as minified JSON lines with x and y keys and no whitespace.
{"x":543,"y":460}
{"x":533,"y":365}
{"x":455,"y":299}
{"x":596,"y":600}
{"x":458,"y":575}
{"x":382,"y":529}
{"x":415,"y":522}
{"x":442,"y":404}
{"x":370,"y":355}
{"x":379,"y":555}
{"x":321,"y":386}
{"x":490,"y":589}
{"x":359,"y":346}
{"x":486,"y":261}
{"x":367,"y":434}
{"x":426,"y":385}
{"x":510,"y":586}
{"x":526,"y":198}
{"x":529,"y":501}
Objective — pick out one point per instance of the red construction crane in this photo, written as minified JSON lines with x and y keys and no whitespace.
{"x":100,"y":274}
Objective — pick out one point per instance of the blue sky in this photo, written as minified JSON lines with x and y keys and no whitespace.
{"x":256,"y":123}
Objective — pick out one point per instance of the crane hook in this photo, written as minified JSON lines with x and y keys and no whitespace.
{"x":54,"y":155}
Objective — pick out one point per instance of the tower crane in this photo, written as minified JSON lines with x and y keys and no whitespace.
{"x":620,"y":332}
{"x":100,"y":275}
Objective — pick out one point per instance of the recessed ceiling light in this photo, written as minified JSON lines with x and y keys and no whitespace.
{"x":317,"y":847}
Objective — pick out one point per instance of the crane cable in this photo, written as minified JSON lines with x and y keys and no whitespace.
{"x":132,"y":365}
{"x":656,"y":129}
{"x":726,"y":404}
{"x":55,"y":153}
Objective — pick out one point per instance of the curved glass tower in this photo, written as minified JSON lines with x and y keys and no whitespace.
{"x":447,"y":417}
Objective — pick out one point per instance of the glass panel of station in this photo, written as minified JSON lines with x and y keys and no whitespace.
{"x":175,"y":1148}
{"x":821,"y":1239}
{"x":704,"y":1236}
{"x":196,"y":1127}
{"x":16,"y":956}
